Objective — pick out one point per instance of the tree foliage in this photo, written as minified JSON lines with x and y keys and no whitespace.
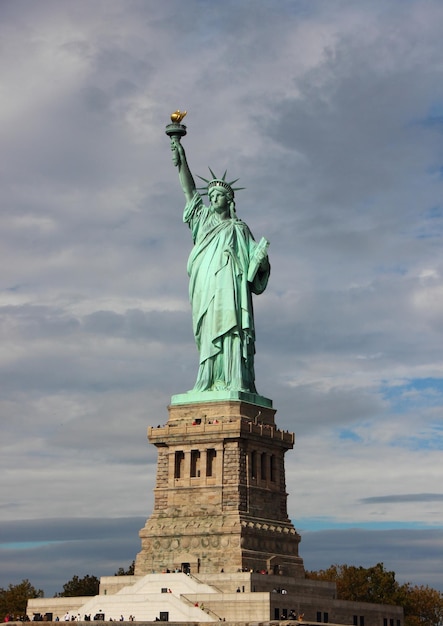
{"x":423,"y":606}
{"x":372,"y":584}
{"x":86,"y":586}
{"x":14,"y":599}
{"x":128,"y":572}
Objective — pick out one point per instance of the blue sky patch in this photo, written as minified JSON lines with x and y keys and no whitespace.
{"x":346,"y":434}
{"x":415,"y":394}
{"x":26,"y":545}
{"x":306,"y":524}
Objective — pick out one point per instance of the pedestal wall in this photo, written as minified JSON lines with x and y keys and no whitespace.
{"x":220,"y":494}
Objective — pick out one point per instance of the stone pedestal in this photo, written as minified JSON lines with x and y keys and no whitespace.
{"x":220,"y":494}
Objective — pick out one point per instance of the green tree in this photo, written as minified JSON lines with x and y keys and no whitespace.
{"x":14,"y":599}
{"x":423,"y":606}
{"x":86,"y":586}
{"x":128,"y":572}
{"x":361,"y":584}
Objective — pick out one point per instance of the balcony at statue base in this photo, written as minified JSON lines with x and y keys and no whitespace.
{"x":208,"y":406}
{"x":196,"y":397}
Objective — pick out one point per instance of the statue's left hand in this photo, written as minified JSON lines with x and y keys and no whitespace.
{"x":264,"y":264}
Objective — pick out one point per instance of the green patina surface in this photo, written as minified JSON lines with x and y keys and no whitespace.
{"x":226,"y":266}
{"x":193,"y":397}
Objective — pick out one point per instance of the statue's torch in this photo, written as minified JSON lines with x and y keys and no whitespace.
{"x":176,"y":130}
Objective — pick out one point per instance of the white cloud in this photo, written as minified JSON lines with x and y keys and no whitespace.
{"x":331,"y":117}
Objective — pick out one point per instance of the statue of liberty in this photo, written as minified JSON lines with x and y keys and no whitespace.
{"x":225,"y":267}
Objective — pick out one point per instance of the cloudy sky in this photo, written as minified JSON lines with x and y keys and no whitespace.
{"x":331,"y":114}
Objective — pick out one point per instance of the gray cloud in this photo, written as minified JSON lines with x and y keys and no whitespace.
{"x":414,"y":555}
{"x":407,"y":497}
{"x":331,"y":117}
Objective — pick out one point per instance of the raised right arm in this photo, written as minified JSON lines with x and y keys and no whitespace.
{"x":184,"y":173}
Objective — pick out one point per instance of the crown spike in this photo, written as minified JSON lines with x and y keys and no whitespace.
{"x":212,"y":173}
{"x":205,"y":179}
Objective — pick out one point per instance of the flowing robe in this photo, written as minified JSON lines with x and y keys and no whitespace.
{"x":221,"y":298}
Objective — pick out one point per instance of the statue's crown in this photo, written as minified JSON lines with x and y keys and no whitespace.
{"x":216,"y":182}
{"x":219,"y":182}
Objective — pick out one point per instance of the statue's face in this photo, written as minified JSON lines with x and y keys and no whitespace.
{"x":219,"y":202}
